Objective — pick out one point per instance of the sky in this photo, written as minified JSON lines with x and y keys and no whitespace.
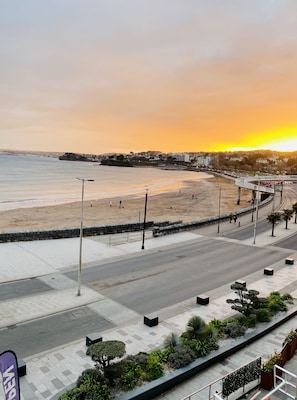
{"x":106,"y":76}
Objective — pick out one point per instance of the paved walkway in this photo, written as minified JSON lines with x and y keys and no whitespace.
{"x":52,"y":371}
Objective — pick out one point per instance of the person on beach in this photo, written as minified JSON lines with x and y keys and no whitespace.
{"x":120,"y":206}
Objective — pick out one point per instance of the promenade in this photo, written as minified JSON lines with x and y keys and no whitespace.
{"x":52,"y":371}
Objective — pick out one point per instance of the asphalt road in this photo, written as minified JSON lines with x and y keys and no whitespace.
{"x":144,"y":283}
{"x":153,"y":281}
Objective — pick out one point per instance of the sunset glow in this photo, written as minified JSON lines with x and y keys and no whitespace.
{"x":173,"y":76}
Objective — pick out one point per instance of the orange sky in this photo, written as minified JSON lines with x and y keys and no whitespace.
{"x":170,"y":75}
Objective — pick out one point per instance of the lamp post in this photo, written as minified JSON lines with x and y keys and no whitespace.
{"x":257,"y":209}
{"x":219,"y":211}
{"x":144,"y":219}
{"x":83,"y":180}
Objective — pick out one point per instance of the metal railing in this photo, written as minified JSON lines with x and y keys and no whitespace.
{"x":214,"y":389}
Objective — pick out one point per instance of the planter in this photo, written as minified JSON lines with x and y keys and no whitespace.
{"x":291,"y":350}
{"x":284,"y":354}
{"x":266,"y":380}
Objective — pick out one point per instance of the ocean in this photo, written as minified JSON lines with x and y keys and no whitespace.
{"x":29,"y":180}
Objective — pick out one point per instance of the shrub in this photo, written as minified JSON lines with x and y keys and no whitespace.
{"x":155,"y":367}
{"x":249,"y":321}
{"x":217,"y":324}
{"x":291,"y":336}
{"x":115,"y":370}
{"x":140,"y":358}
{"x":171,"y":341}
{"x":276,"y":305}
{"x":181,"y":357}
{"x":93,"y":392}
{"x":130,"y":377}
{"x":263,"y":315}
{"x":234,"y":329}
{"x":275,"y":359}
{"x":90,"y":377}
{"x":72,"y":394}
{"x":287,"y":297}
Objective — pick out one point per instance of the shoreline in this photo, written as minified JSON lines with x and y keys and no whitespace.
{"x":193,"y":201}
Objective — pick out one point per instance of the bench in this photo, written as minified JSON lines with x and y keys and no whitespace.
{"x":22,"y":368}
{"x":268,"y":271}
{"x":289,"y":261}
{"x":150,"y":320}
{"x":93,"y":338}
{"x":202,"y":299}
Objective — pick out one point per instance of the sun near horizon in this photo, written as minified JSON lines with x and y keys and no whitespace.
{"x":274,"y":141}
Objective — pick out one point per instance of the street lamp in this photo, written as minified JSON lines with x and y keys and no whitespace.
{"x":257,"y":210}
{"x":83,"y":180}
{"x":219,"y":211}
{"x":144,"y":219}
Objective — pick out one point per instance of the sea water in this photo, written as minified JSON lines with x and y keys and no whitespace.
{"x":28,"y":180}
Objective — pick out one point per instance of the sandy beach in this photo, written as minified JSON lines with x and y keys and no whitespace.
{"x":195,"y":201}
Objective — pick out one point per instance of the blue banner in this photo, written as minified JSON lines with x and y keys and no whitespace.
{"x":9,"y":375}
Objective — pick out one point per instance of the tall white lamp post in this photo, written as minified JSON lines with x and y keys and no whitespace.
{"x":219,"y":211}
{"x":257,"y":210}
{"x":144,"y":219}
{"x":83,"y":180}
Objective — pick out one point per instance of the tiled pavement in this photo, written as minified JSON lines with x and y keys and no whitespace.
{"x":52,"y":371}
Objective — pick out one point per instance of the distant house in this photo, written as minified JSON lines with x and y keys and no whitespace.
{"x":181,"y":157}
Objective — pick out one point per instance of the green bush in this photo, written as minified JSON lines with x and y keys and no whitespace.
{"x":140,"y":358}
{"x":155,"y":367}
{"x":263,"y":315}
{"x":72,"y":394}
{"x":276,"y":305}
{"x":181,"y":357}
{"x":93,"y":392}
{"x":130,"y":377}
{"x":115,"y":370}
{"x":171,"y":341}
{"x":287,"y":297}
{"x":234,"y":329}
{"x":249,"y":321}
{"x":90,"y":376}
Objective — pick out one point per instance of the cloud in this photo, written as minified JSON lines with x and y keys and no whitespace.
{"x":145,"y":74}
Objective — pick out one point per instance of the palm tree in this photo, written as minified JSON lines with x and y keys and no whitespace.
{"x":294,"y":207}
{"x":287,"y":215}
{"x":273,"y":218}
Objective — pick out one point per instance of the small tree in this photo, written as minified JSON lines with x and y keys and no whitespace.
{"x":104,"y":352}
{"x":294,"y":207}
{"x":287,"y":215}
{"x":247,"y":299}
{"x":273,"y":218}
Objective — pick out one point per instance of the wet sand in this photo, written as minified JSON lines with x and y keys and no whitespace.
{"x":195,"y":201}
